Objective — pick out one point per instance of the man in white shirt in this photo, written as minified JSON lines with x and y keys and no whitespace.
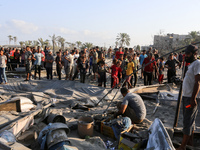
{"x":191,"y":85}
{"x":70,"y":59}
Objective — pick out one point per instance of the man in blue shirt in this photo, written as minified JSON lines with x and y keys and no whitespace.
{"x":141,"y":59}
{"x":38,"y":61}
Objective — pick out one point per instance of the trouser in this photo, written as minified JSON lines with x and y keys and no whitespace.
{"x":135,"y":78}
{"x":37,"y":70}
{"x":115,"y":81}
{"x":49,"y":72}
{"x":82,"y":77}
{"x":148,"y":78}
{"x":111,"y":81}
{"x":3,"y":73}
{"x":170,"y":74}
{"x":129,"y":112}
{"x":75,"y":74}
{"x":102,"y":79}
{"x":58,"y":69}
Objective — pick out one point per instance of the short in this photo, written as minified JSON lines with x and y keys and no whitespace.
{"x":102,"y":78}
{"x":189,"y":116}
{"x":160,"y":77}
{"x":28,"y":68}
{"x":70,"y":70}
{"x":95,"y":67}
{"x":128,"y":78}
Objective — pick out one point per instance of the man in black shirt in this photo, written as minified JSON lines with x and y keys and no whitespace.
{"x":171,"y":65}
{"x":58,"y":65}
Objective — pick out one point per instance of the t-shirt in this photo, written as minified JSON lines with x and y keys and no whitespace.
{"x":161,"y":67}
{"x":189,"y":80}
{"x":95,"y":57}
{"x":180,"y":57}
{"x":149,"y":68}
{"x":3,"y":61}
{"x":48,"y":65}
{"x":65,"y":61}
{"x":135,"y":63}
{"x":118,"y":53}
{"x":82,"y":67}
{"x":28,"y":55}
{"x":135,"y":102}
{"x":71,"y":58}
{"x":58,"y":62}
{"x":141,"y":58}
{"x":130,"y":66}
{"x":172,"y":64}
{"x":38,"y":57}
{"x":115,"y":70}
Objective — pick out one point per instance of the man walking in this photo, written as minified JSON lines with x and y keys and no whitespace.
{"x":191,"y":85}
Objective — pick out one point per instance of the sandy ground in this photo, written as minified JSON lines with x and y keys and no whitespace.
{"x":165,"y":112}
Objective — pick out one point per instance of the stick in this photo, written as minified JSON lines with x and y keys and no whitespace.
{"x":179,"y":100}
{"x":143,"y":67}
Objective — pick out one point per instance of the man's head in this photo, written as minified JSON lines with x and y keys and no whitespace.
{"x":121,"y":56}
{"x":73,"y":52}
{"x":1,"y":52}
{"x":120,"y":49}
{"x":124,"y":91}
{"x":39,"y":49}
{"x":150,"y":55}
{"x":102,"y":63}
{"x":191,"y":53}
{"x":129,"y":58}
{"x":50,"y":52}
{"x":58,"y":53}
{"x":171,"y":56}
{"x":119,"y":63}
{"x":144,"y":52}
{"x":27,"y":48}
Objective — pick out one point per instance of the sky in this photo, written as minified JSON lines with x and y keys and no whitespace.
{"x":97,"y":21}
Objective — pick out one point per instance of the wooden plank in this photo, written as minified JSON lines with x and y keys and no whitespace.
{"x":10,"y":106}
{"x":4,"y":147}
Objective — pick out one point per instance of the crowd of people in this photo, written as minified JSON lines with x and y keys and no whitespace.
{"x":75,"y":63}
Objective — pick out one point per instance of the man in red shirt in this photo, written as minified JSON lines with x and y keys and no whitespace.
{"x":148,"y":70}
{"x":118,"y":53}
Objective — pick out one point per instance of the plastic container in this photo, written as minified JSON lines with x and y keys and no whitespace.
{"x":85,"y":126}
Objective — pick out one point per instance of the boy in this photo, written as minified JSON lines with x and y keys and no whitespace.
{"x":129,"y":71}
{"x":83,"y":67}
{"x":58,"y":65}
{"x":161,"y":69}
{"x":102,"y":73}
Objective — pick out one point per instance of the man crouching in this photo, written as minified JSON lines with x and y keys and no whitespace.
{"x":132,"y":106}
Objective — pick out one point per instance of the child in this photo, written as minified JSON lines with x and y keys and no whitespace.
{"x":161,"y":69}
{"x":115,"y":68}
{"x":129,"y":71}
{"x":102,"y":73}
{"x":83,"y":67}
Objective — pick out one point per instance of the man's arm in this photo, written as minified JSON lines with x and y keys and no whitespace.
{"x":121,"y":111}
{"x":193,"y":101}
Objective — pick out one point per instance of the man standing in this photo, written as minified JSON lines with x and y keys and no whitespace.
{"x":28,"y":62}
{"x":49,"y":64}
{"x":118,"y":53}
{"x":132,"y":106}
{"x":171,"y":65}
{"x":94,"y":62}
{"x":3,"y":61}
{"x":191,"y":85}
{"x":38,"y":61}
{"x":148,"y":70}
{"x":58,"y":64}
{"x":70,"y":59}
{"x":141,"y":59}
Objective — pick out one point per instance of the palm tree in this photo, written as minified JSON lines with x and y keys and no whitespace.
{"x":123,"y":39}
{"x":53,"y":39}
{"x":78,"y":43}
{"x":41,"y":42}
{"x":36,"y":43}
{"x":46,"y":42}
{"x":87,"y":44}
{"x":116,"y":44}
{"x":61,"y":41}
{"x":195,"y":36}
{"x":10,"y":38}
{"x":29,"y":42}
{"x":21,"y":43}
{"x":15,"y":39}
{"x":72,"y":45}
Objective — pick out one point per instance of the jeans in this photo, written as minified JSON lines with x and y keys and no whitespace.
{"x":2,"y":72}
{"x":148,"y":78}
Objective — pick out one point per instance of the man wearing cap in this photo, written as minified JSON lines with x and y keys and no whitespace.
{"x":191,"y":85}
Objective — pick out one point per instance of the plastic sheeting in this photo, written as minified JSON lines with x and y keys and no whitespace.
{"x":158,"y":137}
